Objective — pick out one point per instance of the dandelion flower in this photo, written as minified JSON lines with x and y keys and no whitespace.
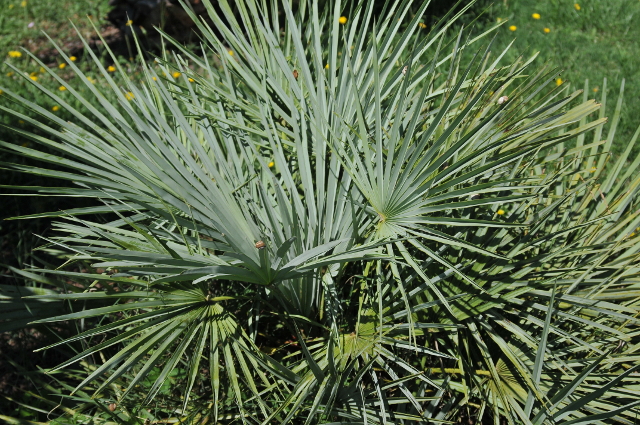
{"x":15,"y":54}
{"x":577,"y":6}
{"x":129,"y":95}
{"x":271,"y":164}
{"x":500,"y":212}
{"x":23,"y":3}
{"x":129,"y":22}
{"x":176,"y":74}
{"x":73,"y":58}
{"x":56,"y":108}
{"x":111,"y":68}
{"x":33,"y":77}
{"x":62,"y":66}
{"x":326,"y":66}
{"x":91,"y":80}
{"x":62,"y":88}
{"x":596,"y":89}
{"x":632,"y":234}
{"x":230,"y":52}
{"x":546,"y":30}
{"x":191,"y":80}
{"x":422,"y":25}
{"x":558,"y":81}
{"x":536,"y":16}
{"x":513,"y":28}
{"x":343,"y":20}
{"x":593,"y":170}
{"x":42,"y":70}
{"x":154,"y":78}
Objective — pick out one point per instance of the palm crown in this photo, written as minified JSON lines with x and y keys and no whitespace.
{"x":430,"y":229}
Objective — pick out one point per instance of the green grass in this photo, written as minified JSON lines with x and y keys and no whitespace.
{"x":598,"y":41}
{"x":52,"y":17}
{"x":25,"y":25}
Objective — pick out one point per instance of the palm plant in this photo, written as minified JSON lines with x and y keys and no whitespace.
{"x":329,"y":222}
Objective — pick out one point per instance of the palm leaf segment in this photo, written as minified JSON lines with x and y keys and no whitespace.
{"x":448,"y":247}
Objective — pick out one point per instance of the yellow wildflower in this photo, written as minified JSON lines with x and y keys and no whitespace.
{"x":577,"y":6}
{"x":498,"y":20}
{"x":271,"y":164}
{"x":14,"y":54}
{"x":91,"y":80}
{"x":596,"y":89}
{"x":536,"y":16}
{"x":632,"y":235}
{"x":593,"y":170}
{"x":558,"y":81}
{"x":42,"y":70}
{"x":56,"y":108}
{"x":500,"y":212}
{"x":154,"y":78}
{"x":9,"y":74}
{"x":546,"y":30}
{"x":33,"y":77}
{"x":176,"y":74}
{"x":513,"y":28}
{"x":23,"y":3}
{"x":326,"y":66}
{"x":1,"y":92}
{"x":422,"y":25}
{"x":191,"y":80}
{"x":343,"y":20}
{"x":230,"y":52}
{"x":62,"y":65}
{"x":73,"y":58}
{"x":62,"y":88}
{"x":10,"y":6}
{"x":129,"y":95}
{"x":111,"y":68}
{"x":129,"y":22}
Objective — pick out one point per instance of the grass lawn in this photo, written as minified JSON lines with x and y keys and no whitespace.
{"x":22,"y":23}
{"x":591,"y":39}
